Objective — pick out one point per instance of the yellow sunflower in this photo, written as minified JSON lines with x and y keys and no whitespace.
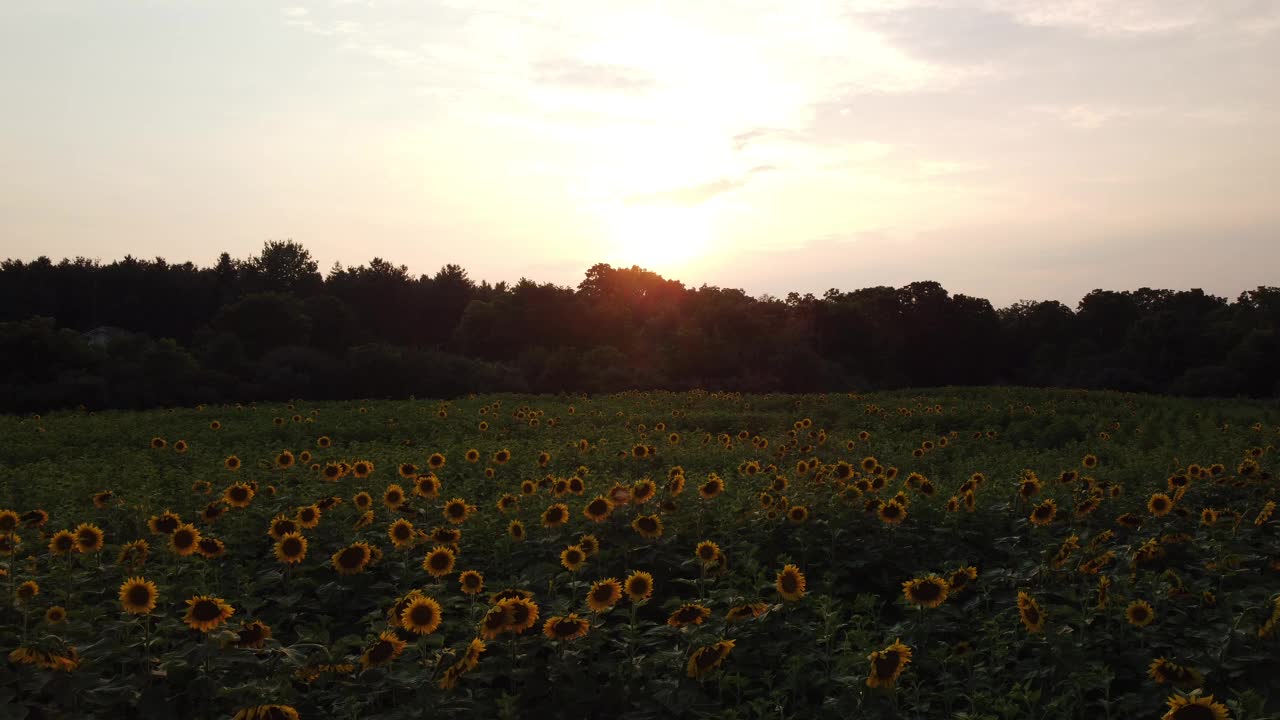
{"x":472,"y":582}
{"x":1030,"y":613}
{"x":204,"y":612}
{"x":439,"y":561}
{"x":572,"y":558}
{"x":1044,"y":513}
{"x":89,"y":538}
{"x":421,"y":616}
{"x":1140,"y":613}
{"x":384,"y":650}
{"x":887,"y":665}
{"x":352,"y":559}
{"x":639,"y":586}
{"x":570,"y":627}
{"x":253,"y":635}
{"x":926,"y":592}
{"x":790,"y":583}
{"x":604,"y":594}
{"x":555,"y":515}
{"x":1160,"y":504}
{"x":1195,"y":707}
{"x":707,"y":552}
{"x":708,"y":658}
{"x":649,"y":526}
{"x":515,"y":531}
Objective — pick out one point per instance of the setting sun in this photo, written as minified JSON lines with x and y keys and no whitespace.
{"x":661,"y":238}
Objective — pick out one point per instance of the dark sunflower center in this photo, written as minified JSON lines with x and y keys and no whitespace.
{"x":573,"y":557}
{"x":604,"y":593}
{"x":381,"y":652}
{"x":439,"y":561}
{"x":890,"y":510}
{"x":206,"y":610}
{"x":1032,"y":615}
{"x":706,"y":657}
{"x":887,"y":664}
{"x":648,"y":525}
{"x":928,"y":591}
{"x":638,"y":587}
{"x":239,"y":494}
{"x":292,"y":547}
{"x":422,"y":615}
{"x":789,"y":583}
{"x":519,"y":613}
{"x":183,"y":538}
{"x":597,"y":507}
{"x":457,"y":510}
{"x":251,"y":634}
{"x":401,"y":532}
{"x":1193,"y":712}
{"x":64,"y":542}
{"x":351,"y":557}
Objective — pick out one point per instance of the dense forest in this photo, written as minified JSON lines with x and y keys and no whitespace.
{"x":138,"y":333}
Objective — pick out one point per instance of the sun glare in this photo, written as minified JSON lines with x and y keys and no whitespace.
{"x":658,"y":237}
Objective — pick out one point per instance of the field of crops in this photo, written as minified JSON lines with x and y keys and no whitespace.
{"x":981,"y":553}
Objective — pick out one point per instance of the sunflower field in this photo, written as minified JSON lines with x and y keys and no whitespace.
{"x":960,"y":553}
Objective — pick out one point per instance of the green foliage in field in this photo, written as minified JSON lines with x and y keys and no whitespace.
{"x":1051,"y":624}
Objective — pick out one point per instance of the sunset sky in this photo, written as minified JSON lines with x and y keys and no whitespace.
{"x":1007,"y":148}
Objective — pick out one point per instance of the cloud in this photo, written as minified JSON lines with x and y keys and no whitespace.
{"x":575,"y":73}
{"x":686,"y":196}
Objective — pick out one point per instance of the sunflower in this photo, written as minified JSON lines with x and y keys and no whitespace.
{"x":362,"y":469}
{"x":439,"y":561}
{"x":362,"y":500}
{"x":253,"y":635}
{"x":1208,"y":517}
{"x":708,"y":658}
{"x":708,"y":552}
{"x":1140,"y":613}
{"x":790,"y":583}
{"x":639,"y":586}
{"x":421,"y":616}
{"x":1167,"y":672}
{"x":212,"y":512}
{"x":393,"y":496}
{"x":457,"y":510}
{"x":89,"y":537}
{"x":711,"y":488}
{"x":55,"y":614}
{"x":930,"y":591}
{"x":266,"y":712}
{"x":164,"y":523}
{"x":1030,"y":613}
{"x":572,"y":558}
{"x":798,"y":514}
{"x":1195,"y":707}
{"x":515,"y":531}
{"x":238,"y":495}
{"x":158,"y":443}
{"x":643,"y":491}
{"x":502,"y":457}
{"x":555,"y":515}
{"x":402,"y":534}
{"x":383,"y":650}
{"x":352,"y":559}
{"x":892,"y":513}
{"x":38,"y":518}
{"x":649,"y":526}
{"x":1044,"y":513}
{"x":101,"y":501}
{"x":1160,"y":504}
{"x":134,"y":553}
{"x":205,"y":612}
{"x":472,"y":582}
{"x":28,"y":590}
{"x":62,"y":543}
{"x":496,"y":621}
{"x":746,"y":612}
{"x":887,"y":665}
{"x":599,"y":509}
{"x":570,"y":627}
{"x":604,"y":594}
{"x":210,"y":548}
{"x":523,"y":613}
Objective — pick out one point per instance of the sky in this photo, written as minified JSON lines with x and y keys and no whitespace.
{"x":1009,"y":149}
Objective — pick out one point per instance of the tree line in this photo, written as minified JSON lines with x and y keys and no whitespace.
{"x":141,"y":333}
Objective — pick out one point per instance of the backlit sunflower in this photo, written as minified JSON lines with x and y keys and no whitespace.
{"x":1030,"y":613}
{"x":402,"y":534}
{"x":960,"y":579}
{"x":572,"y":558}
{"x":1140,"y":613}
{"x":210,"y":548}
{"x":1160,"y":504}
{"x":421,"y":616}
{"x":89,"y":538}
{"x":790,"y":583}
{"x":887,"y":665}
{"x":238,"y":495}
{"x":739,"y":613}
{"x":604,"y":594}
{"x":362,"y":469}
{"x":798,"y":514}
{"x":515,"y":531}
{"x":708,"y":658}
{"x":28,"y":590}
{"x":352,"y":559}
{"x":62,"y":543}
{"x":639,"y":586}
{"x":711,"y":488}
{"x":439,"y":561}
{"x":522,"y":611}
{"x":253,"y":635}
{"x":1195,"y":707}
{"x":134,"y":554}
{"x":362,"y":500}
{"x":38,"y":518}
{"x":707,"y":552}
{"x":649,"y":526}
{"x":309,"y":516}
{"x":570,"y":627}
{"x":457,"y":510}
{"x":555,"y":515}
{"x":926,"y":592}
{"x":472,"y":582}
{"x":204,"y":612}
{"x":407,"y":470}
{"x":599,"y":509}
{"x":1044,"y":513}
{"x":384,"y":650}
{"x":891,"y":513}
{"x":393,"y":496}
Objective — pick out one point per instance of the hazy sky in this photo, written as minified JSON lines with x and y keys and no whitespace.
{"x":1006,"y":148}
